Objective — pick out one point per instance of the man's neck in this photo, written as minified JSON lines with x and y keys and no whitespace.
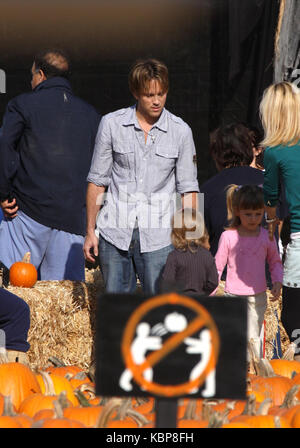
{"x":145,"y":121}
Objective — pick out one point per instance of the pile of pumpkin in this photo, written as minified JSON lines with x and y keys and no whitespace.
{"x":62,"y":396}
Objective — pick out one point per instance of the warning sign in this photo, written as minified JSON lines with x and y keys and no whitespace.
{"x":170,"y":346}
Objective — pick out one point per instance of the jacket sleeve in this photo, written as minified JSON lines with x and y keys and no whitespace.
{"x":274,"y":262}
{"x":212,"y":277}
{"x":13,"y":126}
{"x":271,"y":186}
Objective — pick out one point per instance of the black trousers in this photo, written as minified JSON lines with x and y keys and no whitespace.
{"x":290,"y":315}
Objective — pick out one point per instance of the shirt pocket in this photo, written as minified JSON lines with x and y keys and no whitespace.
{"x":166,"y":157}
{"x":123,"y":157}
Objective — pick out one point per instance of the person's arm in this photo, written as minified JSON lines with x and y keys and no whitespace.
{"x":186,"y":171}
{"x":212,"y":277}
{"x":221,"y":256}
{"x":98,"y":179}
{"x":271,"y":190}
{"x":94,"y":198}
{"x":13,"y":128}
{"x":276,"y":269}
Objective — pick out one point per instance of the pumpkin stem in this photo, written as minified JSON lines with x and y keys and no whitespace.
{"x":88,"y":388}
{"x":290,"y":352}
{"x":58,"y":409}
{"x":207,"y":409}
{"x":62,"y":400}
{"x":49,"y":386}
{"x":250,"y":406}
{"x":123,"y":409}
{"x":277,"y":423}
{"x":190,"y":410}
{"x":290,"y":398}
{"x":138,"y":417}
{"x":8,"y":409}
{"x":26,"y":258}
{"x":109,"y":408}
{"x":82,"y":399}
{"x":215,"y":420}
{"x":56,"y":361}
{"x":264,"y":407}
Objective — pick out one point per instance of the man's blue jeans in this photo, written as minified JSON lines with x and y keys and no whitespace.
{"x":120,"y":268}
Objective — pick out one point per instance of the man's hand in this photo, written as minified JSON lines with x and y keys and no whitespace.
{"x":90,"y":247}
{"x":9,"y":208}
{"x":275,"y":291}
{"x":272,"y":227}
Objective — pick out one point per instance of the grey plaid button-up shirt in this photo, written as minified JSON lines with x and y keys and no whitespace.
{"x":142,"y":178}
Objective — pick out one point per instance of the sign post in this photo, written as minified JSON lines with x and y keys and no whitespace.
{"x":169,"y":347}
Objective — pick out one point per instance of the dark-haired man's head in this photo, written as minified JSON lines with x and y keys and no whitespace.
{"x":48,"y":64}
{"x":231,"y":145}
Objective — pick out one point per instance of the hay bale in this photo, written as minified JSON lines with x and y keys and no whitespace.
{"x":62,"y":319}
{"x":272,"y":322}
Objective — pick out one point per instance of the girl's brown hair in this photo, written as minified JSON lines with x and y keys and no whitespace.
{"x":242,"y":198}
{"x":188,"y":230}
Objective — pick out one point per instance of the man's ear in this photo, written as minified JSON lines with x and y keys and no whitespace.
{"x":42,"y":74}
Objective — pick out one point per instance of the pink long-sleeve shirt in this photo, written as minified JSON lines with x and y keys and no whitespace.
{"x":245,"y":257}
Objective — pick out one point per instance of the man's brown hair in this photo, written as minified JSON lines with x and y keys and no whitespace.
{"x":145,"y":70}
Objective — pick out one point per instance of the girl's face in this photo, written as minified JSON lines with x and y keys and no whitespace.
{"x":251,"y":219}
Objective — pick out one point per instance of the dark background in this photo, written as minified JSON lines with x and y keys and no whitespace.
{"x":219,"y":54}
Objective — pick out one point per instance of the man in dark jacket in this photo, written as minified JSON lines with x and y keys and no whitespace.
{"x":47,"y":143}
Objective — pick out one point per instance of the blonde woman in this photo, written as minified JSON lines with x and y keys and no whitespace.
{"x":280,"y":115}
{"x":190,"y":267}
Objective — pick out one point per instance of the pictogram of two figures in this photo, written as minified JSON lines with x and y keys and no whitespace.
{"x":148,"y":338}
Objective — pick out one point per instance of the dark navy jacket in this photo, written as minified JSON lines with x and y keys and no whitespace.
{"x":47,"y":143}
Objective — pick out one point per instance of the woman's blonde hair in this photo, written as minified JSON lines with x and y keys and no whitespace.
{"x":188,"y":230}
{"x":246,"y":197}
{"x":280,"y":114}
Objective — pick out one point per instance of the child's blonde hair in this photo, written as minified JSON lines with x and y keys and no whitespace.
{"x":188,"y":230}
{"x":246,"y":197}
{"x":280,"y":114}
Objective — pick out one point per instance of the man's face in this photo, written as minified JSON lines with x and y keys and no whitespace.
{"x":37,"y":76}
{"x":151,"y":102}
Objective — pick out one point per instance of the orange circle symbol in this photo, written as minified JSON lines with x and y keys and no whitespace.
{"x":202,"y":319}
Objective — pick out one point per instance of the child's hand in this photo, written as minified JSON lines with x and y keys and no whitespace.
{"x":275,"y":291}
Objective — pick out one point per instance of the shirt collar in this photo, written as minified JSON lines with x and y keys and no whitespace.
{"x":131,"y":119}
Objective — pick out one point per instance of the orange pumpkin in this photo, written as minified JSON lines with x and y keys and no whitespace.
{"x":285,"y":367}
{"x":88,"y":416}
{"x":262,"y":421}
{"x":55,"y":384}
{"x":58,"y":423}
{"x":17,"y":381}
{"x":9,"y":422}
{"x":23,"y":273}
{"x":36,"y":402}
{"x":274,"y":387}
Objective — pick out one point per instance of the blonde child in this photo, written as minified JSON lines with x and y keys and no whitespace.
{"x":245,"y":247}
{"x":190,"y":267}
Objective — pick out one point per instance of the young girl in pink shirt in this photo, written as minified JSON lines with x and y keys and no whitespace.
{"x":245,"y":247}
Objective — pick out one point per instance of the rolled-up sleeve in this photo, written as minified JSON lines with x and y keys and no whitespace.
{"x":271,"y":187}
{"x":102,"y":161}
{"x":186,"y":166}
